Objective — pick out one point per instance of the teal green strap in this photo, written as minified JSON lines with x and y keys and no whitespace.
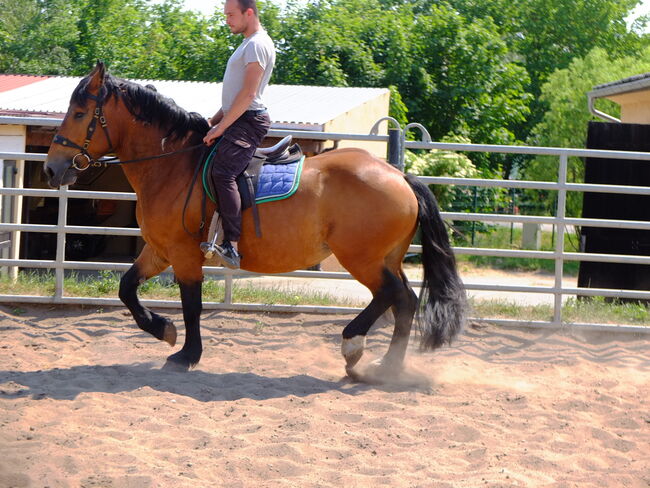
{"x":205,"y":170}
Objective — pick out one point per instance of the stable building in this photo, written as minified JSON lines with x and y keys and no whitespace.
{"x":32,"y":106}
{"x":629,"y":133}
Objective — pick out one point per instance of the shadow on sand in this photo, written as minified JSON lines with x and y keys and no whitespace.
{"x":68,"y":383}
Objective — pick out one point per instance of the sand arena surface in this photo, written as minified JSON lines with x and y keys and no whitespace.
{"x":84,"y":403}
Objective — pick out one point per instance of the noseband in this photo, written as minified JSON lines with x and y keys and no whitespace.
{"x":98,"y":116}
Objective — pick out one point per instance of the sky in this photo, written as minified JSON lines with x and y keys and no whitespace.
{"x":207,"y":7}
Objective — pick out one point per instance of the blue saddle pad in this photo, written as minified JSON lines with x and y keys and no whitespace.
{"x":278,"y":181}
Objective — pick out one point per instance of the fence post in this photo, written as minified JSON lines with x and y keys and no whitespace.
{"x":227,"y":297}
{"x":60,"y":243}
{"x":559,"y":244}
{"x":395,"y":149}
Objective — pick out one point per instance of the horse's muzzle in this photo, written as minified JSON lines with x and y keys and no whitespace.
{"x":60,"y":173}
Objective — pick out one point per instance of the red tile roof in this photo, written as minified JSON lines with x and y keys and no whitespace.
{"x":9,"y":82}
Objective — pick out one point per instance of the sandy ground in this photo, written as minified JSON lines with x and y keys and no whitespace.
{"x":84,"y":403}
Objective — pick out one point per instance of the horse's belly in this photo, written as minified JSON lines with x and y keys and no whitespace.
{"x":292,"y":237}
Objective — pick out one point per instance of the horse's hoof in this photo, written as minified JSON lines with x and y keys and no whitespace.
{"x":169,"y":333}
{"x":353,"y":375}
{"x":175,"y":366}
{"x":179,"y":361}
{"x":352,"y":350}
{"x":386,"y":367}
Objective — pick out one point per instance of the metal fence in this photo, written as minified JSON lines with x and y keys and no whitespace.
{"x":397,"y":139}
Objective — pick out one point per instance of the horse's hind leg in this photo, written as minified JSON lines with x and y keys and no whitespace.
{"x":147,"y":265}
{"x":383,"y":286}
{"x":404,"y":308}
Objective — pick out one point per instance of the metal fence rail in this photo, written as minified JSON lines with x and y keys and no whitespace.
{"x":560,"y":222}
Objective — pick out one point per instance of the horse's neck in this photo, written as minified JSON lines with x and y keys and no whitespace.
{"x":149,"y":176}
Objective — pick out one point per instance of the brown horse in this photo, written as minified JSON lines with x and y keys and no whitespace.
{"x":349,"y":203}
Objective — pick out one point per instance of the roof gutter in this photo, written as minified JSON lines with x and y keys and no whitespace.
{"x":591,"y":98}
{"x":628,"y":85}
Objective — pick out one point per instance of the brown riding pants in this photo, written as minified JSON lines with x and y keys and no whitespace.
{"x":234,"y":151}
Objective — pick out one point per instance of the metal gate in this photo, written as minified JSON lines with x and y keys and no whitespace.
{"x":396,"y":151}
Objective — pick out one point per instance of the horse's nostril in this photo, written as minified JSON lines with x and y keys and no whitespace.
{"x":48,"y":172}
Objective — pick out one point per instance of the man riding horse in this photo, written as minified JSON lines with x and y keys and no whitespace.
{"x":243,"y":121}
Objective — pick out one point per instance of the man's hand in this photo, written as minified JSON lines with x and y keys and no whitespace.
{"x":212,"y":135}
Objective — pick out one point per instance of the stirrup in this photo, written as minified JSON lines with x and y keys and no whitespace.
{"x":210,"y":248}
{"x":232,"y":262}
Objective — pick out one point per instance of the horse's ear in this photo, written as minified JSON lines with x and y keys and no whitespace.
{"x":97,"y":76}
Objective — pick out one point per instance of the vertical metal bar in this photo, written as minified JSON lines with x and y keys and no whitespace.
{"x":3,"y":253}
{"x":17,"y":217}
{"x":60,"y":243}
{"x":227,"y":299}
{"x":402,"y":150}
{"x":474,"y":209}
{"x":395,"y":149}
{"x":559,"y":243}
{"x":513,"y":208}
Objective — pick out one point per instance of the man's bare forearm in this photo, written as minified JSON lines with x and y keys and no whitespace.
{"x":216,"y":118}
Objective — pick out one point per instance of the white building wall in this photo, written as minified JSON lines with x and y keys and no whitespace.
{"x":12,"y":139}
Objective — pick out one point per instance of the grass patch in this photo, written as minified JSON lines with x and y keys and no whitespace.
{"x":597,"y":310}
{"x":106,"y":285}
{"x":500,"y":237}
{"x":505,"y":309}
{"x":592,"y":310}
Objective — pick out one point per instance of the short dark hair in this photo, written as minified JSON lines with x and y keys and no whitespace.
{"x":246,"y":4}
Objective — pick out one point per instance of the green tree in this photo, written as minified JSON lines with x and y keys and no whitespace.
{"x":546,"y":35}
{"x":134,"y":38}
{"x":453,"y":76}
{"x":565,"y":123}
{"x":141,"y":41}
{"x":37,"y":36}
{"x":460,"y":80}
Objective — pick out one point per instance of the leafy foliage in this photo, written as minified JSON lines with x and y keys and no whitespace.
{"x":565,"y":123}
{"x":475,"y":69}
{"x":442,"y":163}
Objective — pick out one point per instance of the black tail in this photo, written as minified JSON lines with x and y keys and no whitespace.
{"x":442,"y":304}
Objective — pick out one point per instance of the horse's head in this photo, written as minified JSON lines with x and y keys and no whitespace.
{"x":83,"y":136}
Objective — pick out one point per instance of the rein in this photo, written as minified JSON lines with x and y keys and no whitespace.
{"x":115,"y":160}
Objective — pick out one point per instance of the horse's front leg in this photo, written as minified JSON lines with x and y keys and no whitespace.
{"x":147,"y":265}
{"x":190,"y":354}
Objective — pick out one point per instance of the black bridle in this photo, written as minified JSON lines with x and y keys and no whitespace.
{"x":98,"y":116}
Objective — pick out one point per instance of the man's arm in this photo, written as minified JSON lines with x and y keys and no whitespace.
{"x":216,"y":118}
{"x":252,"y":78}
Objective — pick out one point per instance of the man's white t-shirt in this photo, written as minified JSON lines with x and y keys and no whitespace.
{"x":256,"y":48}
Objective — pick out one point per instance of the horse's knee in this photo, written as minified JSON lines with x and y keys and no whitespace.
{"x":128,"y":285}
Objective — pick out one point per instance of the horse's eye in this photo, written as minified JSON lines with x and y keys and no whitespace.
{"x":79,"y":115}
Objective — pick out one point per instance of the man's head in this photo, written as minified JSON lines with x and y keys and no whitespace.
{"x":241,"y":16}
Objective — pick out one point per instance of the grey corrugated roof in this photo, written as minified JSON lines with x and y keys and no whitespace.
{"x":291,"y":107}
{"x":626,"y":85}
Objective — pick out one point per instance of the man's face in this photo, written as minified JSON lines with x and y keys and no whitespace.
{"x":235,"y":18}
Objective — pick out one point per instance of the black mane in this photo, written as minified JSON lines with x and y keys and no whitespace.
{"x":146,"y":105}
